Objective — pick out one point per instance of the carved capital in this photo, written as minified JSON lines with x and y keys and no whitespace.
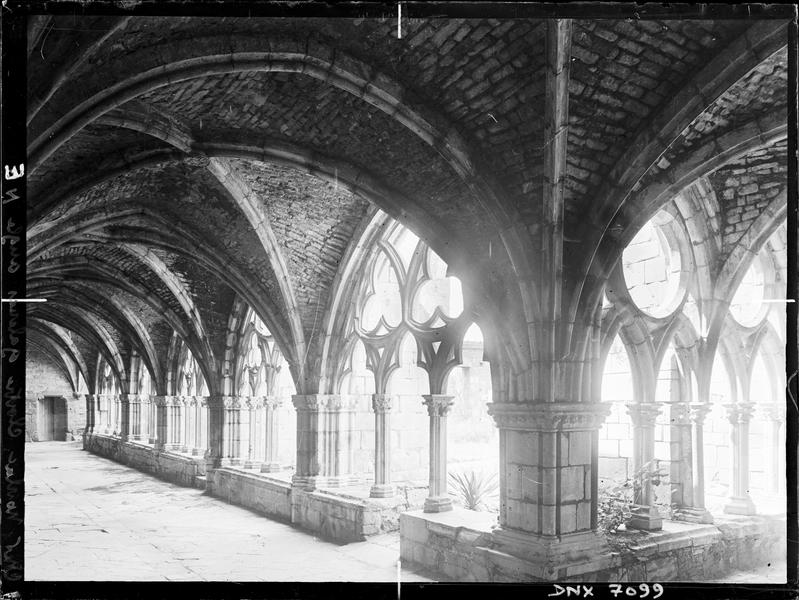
{"x":699,"y":411}
{"x":232,"y":402}
{"x":438,"y":405}
{"x":679,"y":413}
{"x":643,"y":414}
{"x":381,"y":403}
{"x":306,"y":401}
{"x":325,"y":402}
{"x":549,"y":416}
{"x":773,"y":412}
{"x":272,"y":402}
{"x":740,"y":413}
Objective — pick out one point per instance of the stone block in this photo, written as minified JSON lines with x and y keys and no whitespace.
{"x":568,"y":518}
{"x":521,"y":447}
{"x":548,"y":520}
{"x":531,"y":482}
{"x":572,"y":483}
{"x":547,"y":479}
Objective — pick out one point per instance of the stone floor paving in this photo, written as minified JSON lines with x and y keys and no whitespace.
{"x":90,"y":519}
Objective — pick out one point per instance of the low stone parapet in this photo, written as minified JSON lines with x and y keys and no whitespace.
{"x":338,"y":514}
{"x":459,"y":546}
{"x":166,"y":465}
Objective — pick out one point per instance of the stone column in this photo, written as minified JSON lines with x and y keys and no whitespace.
{"x":740,"y":503}
{"x":179,"y":417}
{"x":321,"y":446}
{"x":438,"y":406}
{"x":548,"y":481}
{"x":687,"y":422}
{"x":197,"y":407}
{"x":270,"y":464}
{"x":108,"y":420}
{"x":167,"y":422}
{"x":152,"y":422}
{"x":775,"y":414}
{"x":119,"y":422}
{"x":680,"y":455}
{"x":250,"y":406}
{"x":382,"y":488}
{"x":644,"y":514}
{"x":103,"y":409}
{"x":134,"y":411}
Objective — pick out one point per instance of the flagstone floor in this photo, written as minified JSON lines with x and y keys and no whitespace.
{"x":90,"y":519}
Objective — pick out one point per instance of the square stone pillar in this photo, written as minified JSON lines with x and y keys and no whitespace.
{"x":548,"y":481}
{"x":775,"y":415}
{"x":91,"y":414}
{"x":644,"y":513}
{"x":382,"y":488}
{"x":740,"y":503}
{"x":322,"y":440}
{"x":216,"y":415}
{"x":161,"y":425}
{"x":271,"y":433}
{"x":231,"y":436}
{"x":438,"y":499}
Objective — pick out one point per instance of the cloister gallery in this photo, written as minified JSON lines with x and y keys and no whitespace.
{"x":357,"y":281}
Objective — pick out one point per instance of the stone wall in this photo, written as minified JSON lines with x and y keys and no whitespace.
{"x":66,"y":420}
{"x":43,"y":377}
{"x":267,"y":496}
{"x":169,"y":466}
{"x":457,"y":546}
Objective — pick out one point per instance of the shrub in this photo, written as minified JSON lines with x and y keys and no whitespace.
{"x":616,"y":498}
{"x":474,"y":489}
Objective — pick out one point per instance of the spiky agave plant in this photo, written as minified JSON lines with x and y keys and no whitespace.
{"x":474,"y":489}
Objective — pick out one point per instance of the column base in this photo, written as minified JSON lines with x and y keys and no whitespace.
{"x":436,"y":504}
{"x":382,"y":490}
{"x":305,"y":482}
{"x":197,"y":452}
{"x":271,"y":467}
{"x":137,"y":437}
{"x":151,"y":441}
{"x":740,"y":505}
{"x":646,"y":518}
{"x":230,"y":462}
{"x":250,"y":464}
{"x":692,"y":514}
{"x":172,"y":447}
{"x":338,"y":481}
{"x":555,"y":551}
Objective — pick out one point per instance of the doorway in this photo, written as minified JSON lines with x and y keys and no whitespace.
{"x":52,"y":419}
